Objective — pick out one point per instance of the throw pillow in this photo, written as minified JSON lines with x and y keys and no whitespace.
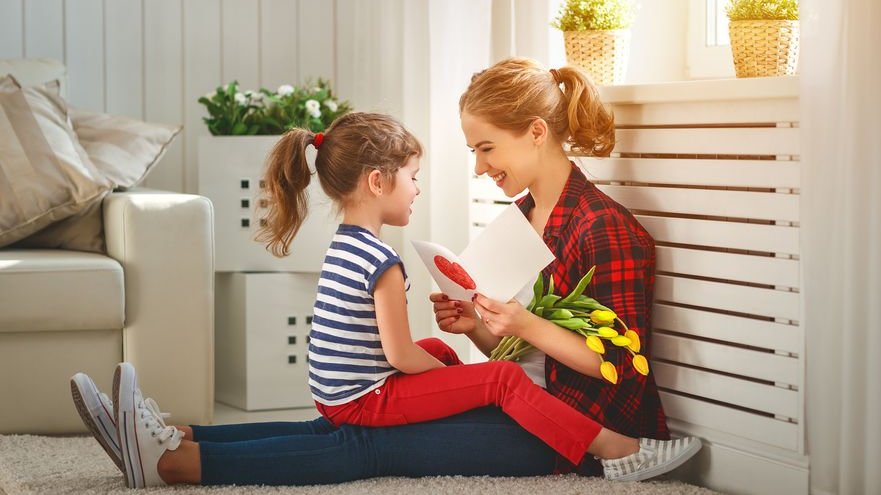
{"x":124,"y":149}
{"x":45,"y":175}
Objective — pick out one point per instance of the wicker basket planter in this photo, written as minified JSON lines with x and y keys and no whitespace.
{"x":602,"y":54}
{"x":764,"y":48}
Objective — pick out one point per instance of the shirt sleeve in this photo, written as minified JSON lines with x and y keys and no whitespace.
{"x":382,"y":266}
{"x":621,"y":281}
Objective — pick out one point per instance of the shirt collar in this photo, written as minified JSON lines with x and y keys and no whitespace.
{"x":566,"y":204}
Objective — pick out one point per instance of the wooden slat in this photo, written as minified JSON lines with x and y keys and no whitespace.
{"x":743,"y":393}
{"x":163,"y":85}
{"x":716,"y":141}
{"x":738,"y":204}
{"x":316,"y":19}
{"x":748,"y":425}
{"x":11,"y":28}
{"x":722,"y":173}
{"x":708,"y":112}
{"x":44,"y":29}
{"x":735,"y":329}
{"x":123,"y":31}
{"x":727,"y":266}
{"x":278,"y":46}
{"x":728,"y":359}
{"x":240,"y":38}
{"x":735,"y":235}
{"x":84,"y":33}
{"x":716,"y":295}
{"x":201,"y":75}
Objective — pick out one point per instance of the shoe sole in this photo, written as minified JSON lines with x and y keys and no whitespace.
{"x":688,"y":453}
{"x":124,"y":407}
{"x":104,"y":433}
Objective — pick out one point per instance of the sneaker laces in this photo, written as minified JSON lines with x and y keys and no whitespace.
{"x":149,"y":411}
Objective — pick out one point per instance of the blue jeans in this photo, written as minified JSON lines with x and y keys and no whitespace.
{"x":480,"y":442}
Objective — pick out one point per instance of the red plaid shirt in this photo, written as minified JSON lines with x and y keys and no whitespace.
{"x":588,"y":228}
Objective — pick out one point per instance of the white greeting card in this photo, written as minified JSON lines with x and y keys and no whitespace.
{"x":502,"y":260}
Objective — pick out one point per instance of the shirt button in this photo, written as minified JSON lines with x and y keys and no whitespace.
{"x":376,"y":391}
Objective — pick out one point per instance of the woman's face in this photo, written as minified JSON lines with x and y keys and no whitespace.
{"x":508,"y":158}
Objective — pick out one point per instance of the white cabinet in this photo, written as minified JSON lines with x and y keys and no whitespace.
{"x":263,"y":303}
{"x":261,"y":346}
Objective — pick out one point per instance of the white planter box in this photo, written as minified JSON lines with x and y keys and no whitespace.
{"x":230,"y":171}
{"x":262,"y":323}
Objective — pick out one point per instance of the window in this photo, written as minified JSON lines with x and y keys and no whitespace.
{"x":709,"y":51}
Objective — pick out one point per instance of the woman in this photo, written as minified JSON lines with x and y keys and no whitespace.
{"x":517,"y":119}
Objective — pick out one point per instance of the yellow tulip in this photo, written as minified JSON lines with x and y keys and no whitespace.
{"x":641,"y":364}
{"x":634,"y":340}
{"x":607,"y":332}
{"x":595,"y":344}
{"x":621,"y":341}
{"x":603,"y":317}
{"x":609,"y":372}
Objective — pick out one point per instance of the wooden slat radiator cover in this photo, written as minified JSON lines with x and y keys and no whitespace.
{"x":711,"y":169}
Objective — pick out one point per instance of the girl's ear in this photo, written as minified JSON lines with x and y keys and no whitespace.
{"x":539,"y":131}
{"x":374,"y":182}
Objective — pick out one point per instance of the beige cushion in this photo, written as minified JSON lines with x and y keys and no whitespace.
{"x":123,"y":149}
{"x":45,"y":175}
{"x":53,"y":290}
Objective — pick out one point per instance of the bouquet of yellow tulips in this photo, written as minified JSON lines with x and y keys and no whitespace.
{"x":580,"y":314}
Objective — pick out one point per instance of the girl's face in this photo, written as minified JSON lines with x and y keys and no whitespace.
{"x":506,"y":157}
{"x":397,"y":203}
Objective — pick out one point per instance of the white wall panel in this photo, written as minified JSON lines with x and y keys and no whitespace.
{"x":84,"y":39}
{"x":44,"y":29}
{"x":279,"y":63}
{"x":124,"y":52}
{"x":202,"y":74}
{"x":317,"y":30}
{"x":240,"y":42}
{"x":163,"y":85}
{"x":11,"y":29}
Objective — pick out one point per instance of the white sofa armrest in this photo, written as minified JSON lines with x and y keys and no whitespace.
{"x":165,"y":243}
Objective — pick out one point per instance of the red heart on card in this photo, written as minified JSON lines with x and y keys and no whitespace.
{"x":454,"y":272}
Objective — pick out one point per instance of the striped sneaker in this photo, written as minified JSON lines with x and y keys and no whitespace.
{"x":143,"y":434}
{"x":655,"y":457}
{"x":96,"y":411}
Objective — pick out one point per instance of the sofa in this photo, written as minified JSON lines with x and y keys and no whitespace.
{"x":148,"y":300}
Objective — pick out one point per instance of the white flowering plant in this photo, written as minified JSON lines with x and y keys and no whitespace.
{"x":233,"y":112}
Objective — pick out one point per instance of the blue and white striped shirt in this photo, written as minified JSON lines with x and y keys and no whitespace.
{"x":345,"y":354}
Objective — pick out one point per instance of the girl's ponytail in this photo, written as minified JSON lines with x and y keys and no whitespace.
{"x":285,"y":181}
{"x":591,"y":124}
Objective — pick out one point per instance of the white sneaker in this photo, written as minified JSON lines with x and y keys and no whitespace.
{"x":96,"y":411}
{"x":143,"y":435}
{"x":655,"y":457}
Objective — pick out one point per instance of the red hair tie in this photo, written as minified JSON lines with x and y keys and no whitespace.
{"x":317,"y":140}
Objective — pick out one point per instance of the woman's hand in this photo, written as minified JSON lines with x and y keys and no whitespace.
{"x":503,"y":319}
{"x":453,"y":316}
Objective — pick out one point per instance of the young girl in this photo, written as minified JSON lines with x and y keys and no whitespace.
{"x":364,"y":367}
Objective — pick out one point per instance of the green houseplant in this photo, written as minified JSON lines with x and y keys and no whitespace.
{"x":597,"y":36}
{"x":233,"y":112}
{"x":764,"y":37}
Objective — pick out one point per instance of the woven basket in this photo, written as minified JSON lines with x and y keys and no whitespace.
{"x":764,"y":48}
{"x":602,"y":54}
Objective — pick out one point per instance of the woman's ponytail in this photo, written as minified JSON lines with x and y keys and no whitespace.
{"x":591,"y":124}
{"x":285,"y":181}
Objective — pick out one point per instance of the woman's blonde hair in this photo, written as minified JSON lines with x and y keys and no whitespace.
{"x":514,"y":92}
{"x":353,"y":145}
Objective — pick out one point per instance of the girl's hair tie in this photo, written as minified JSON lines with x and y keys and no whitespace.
{"x":317,"y":140}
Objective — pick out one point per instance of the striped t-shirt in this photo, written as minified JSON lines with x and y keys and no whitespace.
{"x":345,"y":354}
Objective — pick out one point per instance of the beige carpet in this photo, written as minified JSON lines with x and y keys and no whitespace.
{"x":62,"y":465}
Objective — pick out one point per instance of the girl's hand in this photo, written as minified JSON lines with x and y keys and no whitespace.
{"x":453,"y":316}
{"x":502,"y":319}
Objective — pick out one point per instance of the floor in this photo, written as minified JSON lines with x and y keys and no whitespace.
{"x":224,"y":414}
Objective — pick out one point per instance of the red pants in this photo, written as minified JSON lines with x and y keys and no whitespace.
{"x":457,"y":388}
